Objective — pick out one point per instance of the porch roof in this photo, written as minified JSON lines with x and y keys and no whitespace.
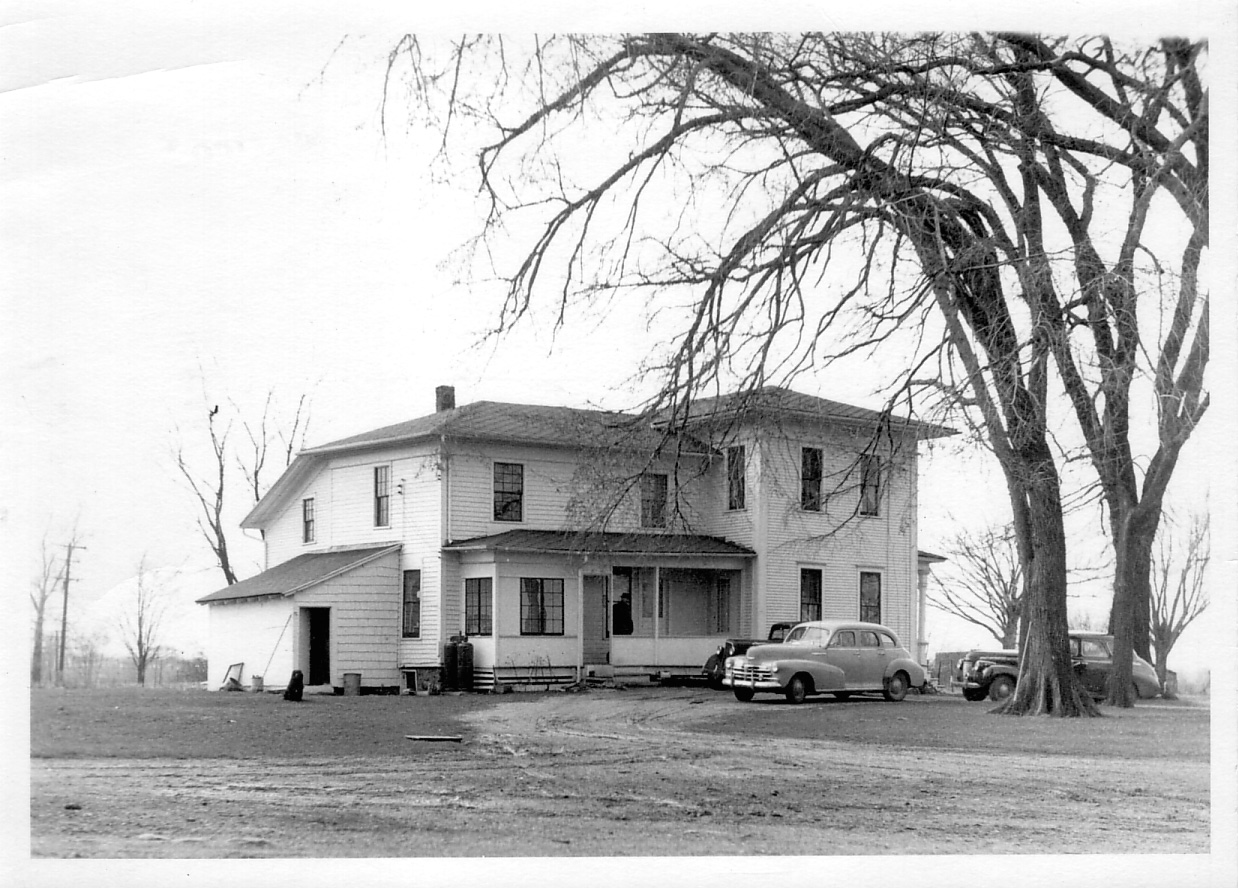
{"x":602,"y":543}
{"x":298,"y":574}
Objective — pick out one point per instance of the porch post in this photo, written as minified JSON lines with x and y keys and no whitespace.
{"x":657,"y":611}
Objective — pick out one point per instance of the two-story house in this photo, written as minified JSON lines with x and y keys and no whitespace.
{"x":566,"y":542}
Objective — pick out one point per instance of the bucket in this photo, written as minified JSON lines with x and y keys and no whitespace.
{"x":255,"y":683}
{"x":352,"y":684}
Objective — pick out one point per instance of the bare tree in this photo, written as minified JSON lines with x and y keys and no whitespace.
{"x":140,"y":622}
{"x":984,"y":583}
{"x":51,"y":570}
{"x":964,"y":181}
{"x":1179,"y":595}
{"x":209,"y":487}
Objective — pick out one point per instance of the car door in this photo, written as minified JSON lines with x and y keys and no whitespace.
{"x":843,"y":654}
{"x":1092,"y":661}
{"x":871,"y":659}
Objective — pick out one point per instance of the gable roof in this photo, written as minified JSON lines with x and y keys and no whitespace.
{"x":298,"y":574}
{"x":605,"y":543}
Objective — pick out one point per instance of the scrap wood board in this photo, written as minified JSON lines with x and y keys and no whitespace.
{"x":447,"y":738}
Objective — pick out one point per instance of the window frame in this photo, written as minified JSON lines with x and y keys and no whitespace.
{"x":811,"y":499}
{"x":479,"y":623}
{"x":860,"y":596}
{"x":540,"y":584}
{"x":736,"y":478}
{"x":308,"y":522}
{"x":382,"y":495}
{"x":406,"y":601}
{"x":870,"y":485}
{"x":509,"y":496}
{"x":653,"y":501}
{"x":820,"y":577}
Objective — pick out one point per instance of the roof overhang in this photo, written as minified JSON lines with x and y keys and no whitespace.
{"x":611,"y":544}
{"x":298,"y":574}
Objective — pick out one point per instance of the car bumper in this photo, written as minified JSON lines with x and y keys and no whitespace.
{"x":759,"y":684}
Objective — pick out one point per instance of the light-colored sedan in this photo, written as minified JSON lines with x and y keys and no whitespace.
{"x":839,"y":657}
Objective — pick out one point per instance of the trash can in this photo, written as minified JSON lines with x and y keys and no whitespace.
{"x":352,"y":684}
{"x":255,"y":683}
{"x":464,"y":665}
{"x":451,"y":664}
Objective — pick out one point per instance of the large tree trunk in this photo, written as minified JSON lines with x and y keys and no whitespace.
{"x":1129,"y":618}
{"x":1047,"y":683}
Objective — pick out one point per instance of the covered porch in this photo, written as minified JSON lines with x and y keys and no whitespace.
{"x":569,"y":606}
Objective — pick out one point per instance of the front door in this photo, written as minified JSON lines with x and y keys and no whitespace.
{"x":596,"y":613}
{"x":319,"y":646}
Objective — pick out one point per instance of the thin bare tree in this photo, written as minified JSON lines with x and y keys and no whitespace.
{"x":210,"y":484}
{"x":140,"y":622}
{"x":983,"y":583}
{"x":51,"y":571}
{"x":1179,"y":595}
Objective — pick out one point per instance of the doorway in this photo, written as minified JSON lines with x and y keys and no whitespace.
{"x":319,"y":660}
{"x":596,"y":613}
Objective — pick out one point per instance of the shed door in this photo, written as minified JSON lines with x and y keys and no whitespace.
{"x":319,"y":646}
{"x":596,"y":610}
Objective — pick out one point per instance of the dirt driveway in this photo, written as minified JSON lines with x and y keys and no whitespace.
{"x":658,"y":772}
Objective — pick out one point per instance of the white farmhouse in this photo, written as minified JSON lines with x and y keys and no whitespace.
{"x":564,"y":543}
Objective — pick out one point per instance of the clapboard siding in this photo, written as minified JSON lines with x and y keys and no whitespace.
{"x":569,"y":490}
{"x":836,"y":539}
{"x":365,"y":620}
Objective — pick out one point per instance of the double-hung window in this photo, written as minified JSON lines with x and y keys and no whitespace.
{"x":735,"y":478}
{"x":412,"y":604}
{"x":508,"y":492}
{"x":653,"y":501}
{"x":870,"y":596}
{"x":870,"y":485}
{"x":478,"y":606}
{"x":307,"y":520}
{"x":810,"y":593}
{"x":382,"y":496}
{"x":541,"y":606}
{"x":810,"y":479}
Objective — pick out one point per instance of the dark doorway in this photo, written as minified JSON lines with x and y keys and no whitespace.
{"x":319,"y":645}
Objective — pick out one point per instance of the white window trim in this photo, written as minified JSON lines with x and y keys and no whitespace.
{"x":879,"y":571}
{"x":524,"y":491}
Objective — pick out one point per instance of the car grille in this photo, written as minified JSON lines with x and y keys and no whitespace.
{"x":752,"y":673}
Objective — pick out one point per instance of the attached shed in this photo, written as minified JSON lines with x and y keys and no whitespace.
{"x":325,"y":613}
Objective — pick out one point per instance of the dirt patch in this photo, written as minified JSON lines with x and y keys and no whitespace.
{"x":639,"y":772}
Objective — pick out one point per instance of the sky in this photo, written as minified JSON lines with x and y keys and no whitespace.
{"x":200,"y":207}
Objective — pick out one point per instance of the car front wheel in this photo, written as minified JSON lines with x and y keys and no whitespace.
{"x":796,"y":691}
{"x":1001,"y":688}
{"x":896,"y":687}
{"x":744,"y":695}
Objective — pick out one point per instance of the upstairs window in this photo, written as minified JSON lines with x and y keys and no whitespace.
{"x":810,"y":594}
{"x":382,"y":496}
{"x":508,"y":492}
{"x":870,"y":597}
{"x":478,"y":606}
{"x":811,"y":477}
{"x":653,"y":501}
{"x":541,"y":606}
{"x":735,"y":478}
{"x":412,"y":604}
{"x":870,"y":485}
{"x":307,"y":520}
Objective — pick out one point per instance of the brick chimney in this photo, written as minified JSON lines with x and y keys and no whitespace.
{"x":444,"y":398}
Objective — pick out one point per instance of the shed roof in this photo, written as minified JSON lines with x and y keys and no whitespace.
{"x":603,"y":543}
{"x":298,"y":574}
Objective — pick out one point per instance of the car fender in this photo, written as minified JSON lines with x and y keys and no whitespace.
{"x":991,"y":672}
{"x":824,"y":676}
{"x":915,"y":672}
